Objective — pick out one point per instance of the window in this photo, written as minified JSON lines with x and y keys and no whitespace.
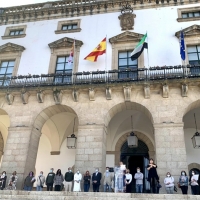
{"x":125,"y":64}
{"x":12,"y":32}
{"x":69,"y":27}
{"x":193,"y":54}
{"x":17,"y":32}
{"x":190,"y":14}
{"x":64,"y":64}
{"x":6,"y":70}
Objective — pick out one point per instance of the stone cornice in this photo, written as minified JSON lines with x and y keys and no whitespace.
{"x":191,"y":31}
{"x":10,"y":47}
{"x":64,"y":9}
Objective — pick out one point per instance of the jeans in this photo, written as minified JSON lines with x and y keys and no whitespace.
{"x":195,"y":189}
{"x":170,"y":190}
{"x":184,"y":189}
{"x":105,"y":188}
{"x":39,"y":188}
{"x":86,"y":187}
{"x":139,"y":188}
{"x":27,"y":188}
{"x":49,"y":186}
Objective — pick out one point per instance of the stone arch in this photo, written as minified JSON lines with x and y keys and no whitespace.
{"x":1,"y":145}
{"x":193,"y":165}
{"x":141,"y":137}
{"x":193,"y":105}
{"x":48,"y":112}
{"x":127,"y":106}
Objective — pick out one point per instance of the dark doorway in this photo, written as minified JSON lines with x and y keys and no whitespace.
{"x":133,"y":158}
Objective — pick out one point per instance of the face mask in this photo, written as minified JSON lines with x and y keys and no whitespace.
{"x":96,"y":170}
{"x":168,"y":175}
{"x":183,"y":173}
{"x":4,"y":174}
{"x":192,"y":173}
{"x":41,"y":174}
{"x":78,"y":172}
{"x":70,"y":170}
{"x":138,"y":171}
{"x":51,"y":170}
{"x":107,"y":170}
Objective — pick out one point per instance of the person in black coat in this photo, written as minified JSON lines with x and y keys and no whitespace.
{"x":96,"y":178}
{"x":3,"y":178}
{"x":152,"y":176}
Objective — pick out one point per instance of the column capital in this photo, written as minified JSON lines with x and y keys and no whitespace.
{"x":168,"y":125}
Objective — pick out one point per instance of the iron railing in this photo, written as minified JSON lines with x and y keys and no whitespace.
{"x":102,"y":77}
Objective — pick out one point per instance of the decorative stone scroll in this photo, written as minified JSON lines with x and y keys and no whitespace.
{"x":40,"y":96}
{"x":9,"y":98}
{"x":127,"y":93}
{"x":75,"y":95}
{"x":165,"y":91}
{"x":184,"y":90}
{"x":147,"y":92}
{"x":91,"y":94}
{"x":24,"y":96}
{"x":57,"y":95}
{"x":108,"y":93}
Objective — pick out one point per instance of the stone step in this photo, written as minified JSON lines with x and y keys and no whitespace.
{"x":44,"y":195}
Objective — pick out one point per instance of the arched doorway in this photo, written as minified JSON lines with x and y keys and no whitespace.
{"x":135,"y":157}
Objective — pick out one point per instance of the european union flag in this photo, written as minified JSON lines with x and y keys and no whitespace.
{"x":182,"y":46}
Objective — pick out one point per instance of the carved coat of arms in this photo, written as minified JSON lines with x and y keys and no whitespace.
{"x":127,"y":18}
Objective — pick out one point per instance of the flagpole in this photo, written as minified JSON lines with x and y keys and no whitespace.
{"x":147,"y":49}
{"x":73,"y":61}
{"x":106,"y":59}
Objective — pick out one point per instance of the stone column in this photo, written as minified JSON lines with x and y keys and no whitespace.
{"x":20,"y":152}
{"x":170,"y":150}
{"x":91,"y":148}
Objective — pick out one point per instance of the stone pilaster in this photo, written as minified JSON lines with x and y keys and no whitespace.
{"x":20,"y":152}
{"x":91,"y":148}
{"x":170,"y":149}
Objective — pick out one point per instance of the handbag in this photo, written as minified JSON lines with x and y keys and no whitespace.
{"x":175,"y":189}
{"x":40,"y":183}
{"x":179,"y":186}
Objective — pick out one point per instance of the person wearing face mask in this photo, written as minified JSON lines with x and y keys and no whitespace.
{"x":29,"y":181}
{"x":50,"y":180}
{"x":3,"y":180}
{"x":128,"y":181}
{"x":194,"y":183}
{"x":12,"y":181}
{"x":169,"y":183}
{"x":87,"y":179}
{"x":183,"y":182}
{"x":77,"y":181}
{"x":96,"y":178}
{"x":139,"y":181}
{"x":69,"y":177}
{"x":58,"y":180}
{"x":107,"y":180}
{"x":40,"y":181}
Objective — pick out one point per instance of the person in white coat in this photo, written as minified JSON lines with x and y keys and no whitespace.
{"x":169,"y":183}
{"x":77,"y":181}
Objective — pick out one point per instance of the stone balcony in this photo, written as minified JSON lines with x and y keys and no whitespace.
{"x":21,"y":195}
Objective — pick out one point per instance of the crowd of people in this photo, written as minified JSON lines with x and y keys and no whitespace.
{"x":119,"y":181}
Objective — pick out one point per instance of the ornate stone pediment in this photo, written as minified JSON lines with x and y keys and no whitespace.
{"x":126,"y":37}
{"x":11,"y":47}
{"x":190,"y":31}
{"x":65,"y":42}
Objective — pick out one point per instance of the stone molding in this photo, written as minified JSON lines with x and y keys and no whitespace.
{"x":62,"y":47}
{"x":63,"y":9}
{"x":11,"y":47}
{"x":165,"y":91}
{"x":127,"y":21}
{"x":147,"y":92}
{"x":167,"y":125}
{"x":75,"y":95}
{"x":125,"y":42}
{"x":191,"y":31}
{"x":9,"y":98}
{"x":127,"y":93}
{"x":193,"y":165}
{"x":40,"y":96}
{"x":91,"y":94}
{"x":55,"y":152}
{"x":108,"y":93}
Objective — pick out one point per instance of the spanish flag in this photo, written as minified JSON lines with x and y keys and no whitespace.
{"x":99,"y":50}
